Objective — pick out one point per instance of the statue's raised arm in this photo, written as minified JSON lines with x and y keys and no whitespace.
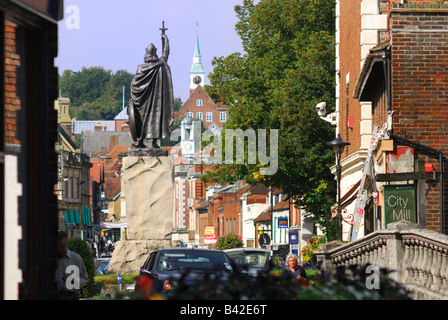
{"x":166,"y":47}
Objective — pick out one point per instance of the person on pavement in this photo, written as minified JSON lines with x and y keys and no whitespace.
{"x":71,"y":274}
{"x":293,"y":270}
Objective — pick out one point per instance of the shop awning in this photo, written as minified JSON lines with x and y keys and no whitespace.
{"x":113,"y":225}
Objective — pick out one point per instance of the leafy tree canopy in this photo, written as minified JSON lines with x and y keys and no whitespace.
{"x":95,"y":93}
{"x":287,"y":68}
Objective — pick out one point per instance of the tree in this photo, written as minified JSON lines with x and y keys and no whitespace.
{"x":288,"y":67}
{"x":95,"y":93}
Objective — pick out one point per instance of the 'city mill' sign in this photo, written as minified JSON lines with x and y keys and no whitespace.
{"x":399,"y":203}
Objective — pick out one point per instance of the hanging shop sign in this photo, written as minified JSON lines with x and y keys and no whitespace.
{"x":282,"y":222}
{"x":399,"y":203}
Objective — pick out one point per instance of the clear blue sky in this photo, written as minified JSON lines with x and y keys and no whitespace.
{"x":114,"y":34}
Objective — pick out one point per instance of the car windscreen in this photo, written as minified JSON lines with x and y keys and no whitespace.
{"x":174,"y":260}
{"x":102,"y":265}
{"x":252,"y":259}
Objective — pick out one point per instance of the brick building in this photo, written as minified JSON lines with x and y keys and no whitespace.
{"x":392,"y":74}
{"x":28,"y":161}
{"x":73,"y":188}
{"x":200,"y":106}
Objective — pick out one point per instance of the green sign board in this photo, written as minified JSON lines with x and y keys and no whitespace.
{"x":399,"y":203}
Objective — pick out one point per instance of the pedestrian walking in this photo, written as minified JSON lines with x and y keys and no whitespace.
{"x":71,"y":274}
{"x":293,"y":270}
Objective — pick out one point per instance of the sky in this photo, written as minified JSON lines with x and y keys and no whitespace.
{"x":113,"y":34}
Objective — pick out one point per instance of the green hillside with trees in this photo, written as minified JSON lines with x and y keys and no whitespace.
{"x":96,"y":93}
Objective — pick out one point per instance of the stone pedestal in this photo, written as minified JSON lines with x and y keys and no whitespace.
{"x":148,"y":186}
{"x":149,"y":189}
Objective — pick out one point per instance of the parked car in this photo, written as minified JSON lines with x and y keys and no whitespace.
{"x":254,"y":260}
{"x":101,"y":266}
{"x":166,"y":266}
{"x":105,"y":256}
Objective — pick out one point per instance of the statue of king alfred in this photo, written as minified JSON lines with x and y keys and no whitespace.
{"x":150,"y":108}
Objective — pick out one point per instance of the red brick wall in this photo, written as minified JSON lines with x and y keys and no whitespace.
{"x":207,"y":106}
{"x":232,"y":208}
{"x":379,"y":105}
{"x":256,"y":198}
{"x":350,"y":59}
{"x":121,"y":125}
{"x":420,"y":85}
{"x":12,"y":101}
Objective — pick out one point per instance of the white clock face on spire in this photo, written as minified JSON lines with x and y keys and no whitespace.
{"x":197,"y":80}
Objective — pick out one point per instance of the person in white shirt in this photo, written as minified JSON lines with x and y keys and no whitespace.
{"x":71,"y":274}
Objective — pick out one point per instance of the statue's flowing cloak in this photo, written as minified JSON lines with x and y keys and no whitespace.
{"x":152,"y":95}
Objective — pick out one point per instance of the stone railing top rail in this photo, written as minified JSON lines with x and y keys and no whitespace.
{"x":403,"y":229}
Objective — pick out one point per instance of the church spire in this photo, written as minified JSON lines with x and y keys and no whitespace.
{"x":197,"y":65}
{"x":197,"y":52}
{"x":197,"y":72}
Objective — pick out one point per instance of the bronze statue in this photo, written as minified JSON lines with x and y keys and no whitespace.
{"x":150,"y":108}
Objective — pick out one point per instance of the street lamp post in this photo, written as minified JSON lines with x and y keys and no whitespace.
{"x":338,"y":146}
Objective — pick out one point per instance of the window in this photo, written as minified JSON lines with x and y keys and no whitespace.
{"x":65,"y":188}
{"x":192,"y":220}
{"x":222,"y":116}
{"x":209,"y":117}
{"x":76,"y":188}
{"x":199,"y":102}
{"x":70,"y":188}
{"x":199,"y":115}
{"x":190,"y":115}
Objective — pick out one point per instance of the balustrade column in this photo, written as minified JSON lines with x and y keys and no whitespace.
{"x":414,"y":264}
{"x":444,"y":271}
{"x":420,"y":279}
{"x":375,"y":253}
{"x":406,"y":261}
{"x":435,"y":269}
{"x":427,"y":265}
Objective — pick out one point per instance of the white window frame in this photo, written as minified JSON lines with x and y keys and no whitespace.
{"x":199,"y":115}
{"x":209,"y":117}
{"x":222,"y":117}
{"x":199,"y":103}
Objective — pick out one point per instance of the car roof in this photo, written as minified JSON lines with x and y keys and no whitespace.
{"x":189,"y":249}
{"x":247,"y":250}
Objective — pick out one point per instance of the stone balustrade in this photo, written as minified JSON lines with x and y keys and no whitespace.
{"x":418,"y":257}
